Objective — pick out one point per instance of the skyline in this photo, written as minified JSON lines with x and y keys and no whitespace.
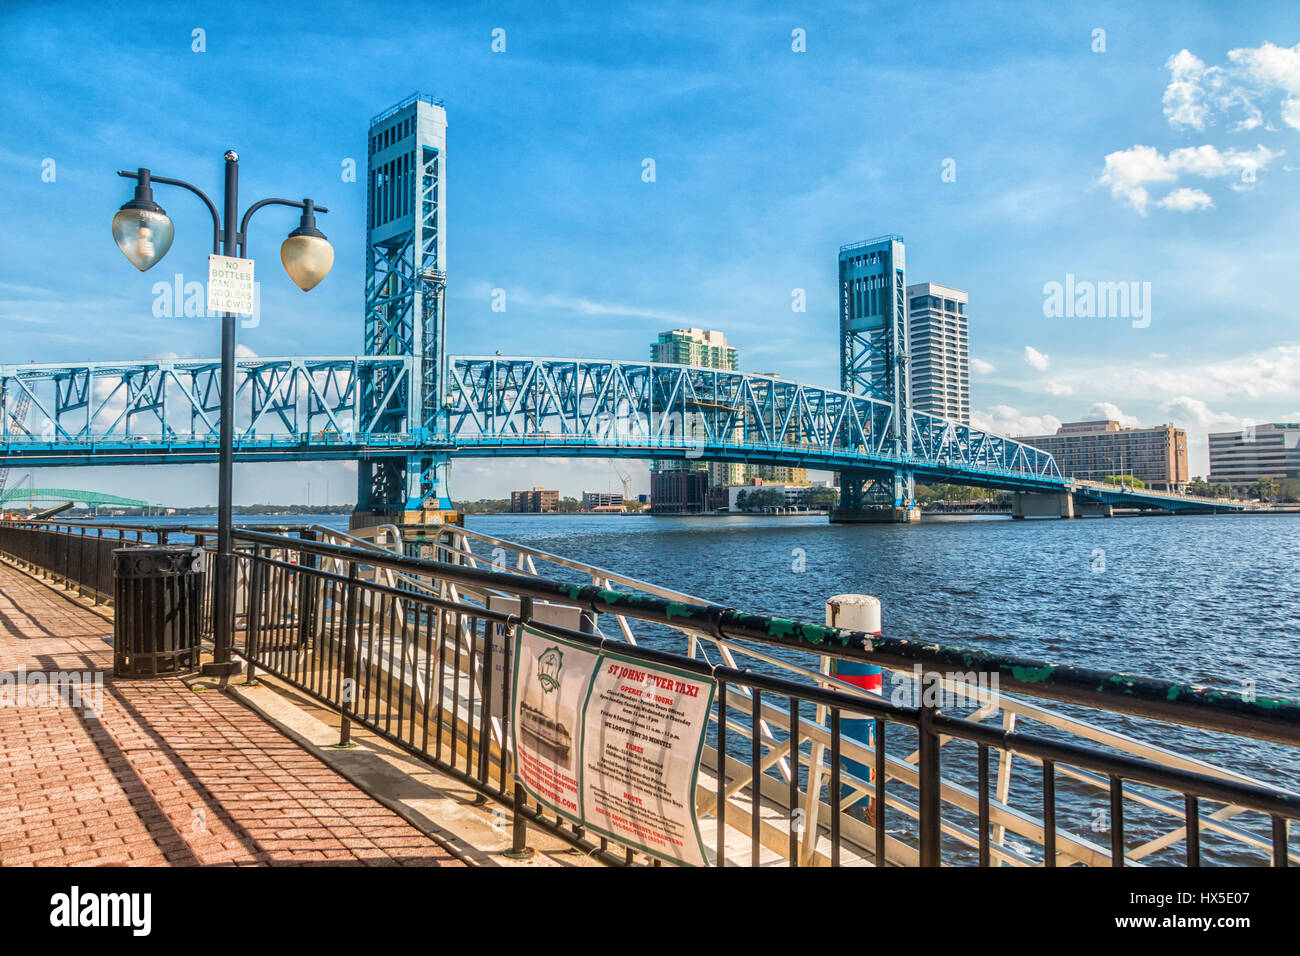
{"x":766,"y":160}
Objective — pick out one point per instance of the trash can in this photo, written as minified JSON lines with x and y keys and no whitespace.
{"x":158,"y":614}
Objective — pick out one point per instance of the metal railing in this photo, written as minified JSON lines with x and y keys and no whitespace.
{"x":421,"y":627}
{"x":800,"y":768}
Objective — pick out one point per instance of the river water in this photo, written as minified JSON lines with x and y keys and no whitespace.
{"x":1206,"y":599}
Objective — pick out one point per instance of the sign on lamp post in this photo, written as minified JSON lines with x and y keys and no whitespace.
{"x":230,"y":285}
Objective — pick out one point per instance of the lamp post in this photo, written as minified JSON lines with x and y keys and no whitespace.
{"x":144,"y":233}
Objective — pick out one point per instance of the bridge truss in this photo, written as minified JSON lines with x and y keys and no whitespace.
{"x":570,"y":406}
{"x":312,"y":408}
{"x":135,"y":412}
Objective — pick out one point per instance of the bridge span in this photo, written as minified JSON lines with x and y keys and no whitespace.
{"x":310,"y":408}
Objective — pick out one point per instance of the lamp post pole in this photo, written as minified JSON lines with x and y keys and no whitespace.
{"x":224,"y":624}
{"x":144,"y":233}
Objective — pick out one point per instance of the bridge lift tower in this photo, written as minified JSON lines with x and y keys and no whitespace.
{"x":875,"y":361}
{"x":406,"y":281}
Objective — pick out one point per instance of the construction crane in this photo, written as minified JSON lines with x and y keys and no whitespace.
{"x":18,"y":418}
{"x":623,"y":477}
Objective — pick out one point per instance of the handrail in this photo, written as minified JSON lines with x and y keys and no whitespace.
{"x":1273,"y":719}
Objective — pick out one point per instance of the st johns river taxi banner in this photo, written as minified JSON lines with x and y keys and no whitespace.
{"x":612,"y":743}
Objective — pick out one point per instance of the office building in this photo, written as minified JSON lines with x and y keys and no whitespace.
{"x":1092,"y":450}
{"x":534,"y":501}
{"x":939,"y":350}
{"x":1242,"y":457}
{"x":694,"y":347}
{"x":591,"y":500}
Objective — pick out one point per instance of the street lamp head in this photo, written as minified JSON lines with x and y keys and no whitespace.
{"x":306,"y":254}
{"x":141,"y":228}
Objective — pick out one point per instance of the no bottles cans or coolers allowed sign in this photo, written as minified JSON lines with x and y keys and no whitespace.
{"x":611,"y":743}
{"x":230,"y":285}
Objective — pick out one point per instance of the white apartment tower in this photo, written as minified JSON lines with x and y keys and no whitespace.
{"x":939,"y":351}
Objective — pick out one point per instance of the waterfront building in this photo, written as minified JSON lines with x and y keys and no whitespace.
{"x":1241,"y":458}
{"x":705,"y":349}
{"x":772,"y":474}
{"x":679,"y":492}
{"x":591,"y":500}
{"x":534,"y":501}
{"x":1092,"y":450}
{"x":936,"y":317}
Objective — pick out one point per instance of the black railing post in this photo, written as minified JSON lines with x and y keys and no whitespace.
{"x":519,"y":848}
{"x":307,"y":606}
{"x":253,"y":618}
{"x":349,"y":684}
{"x":927,"y":770}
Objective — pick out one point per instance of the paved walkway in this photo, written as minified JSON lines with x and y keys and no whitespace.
{"x":166,"y":775}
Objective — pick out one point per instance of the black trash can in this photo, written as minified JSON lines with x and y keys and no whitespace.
{"x":158,"y":615}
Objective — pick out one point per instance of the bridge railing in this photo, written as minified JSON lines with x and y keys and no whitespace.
{"x":994,"y":779}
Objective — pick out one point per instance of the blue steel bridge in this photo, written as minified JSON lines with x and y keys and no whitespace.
{"x":404,"y":410}
{"x":310,"y":408}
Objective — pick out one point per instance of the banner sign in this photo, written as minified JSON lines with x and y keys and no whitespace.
{"x":612,"y":743}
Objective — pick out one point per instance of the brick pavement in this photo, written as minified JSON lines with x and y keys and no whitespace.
{"x":166,"y":775}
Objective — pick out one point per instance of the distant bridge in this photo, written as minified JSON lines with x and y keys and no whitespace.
{"x":91,"y":499}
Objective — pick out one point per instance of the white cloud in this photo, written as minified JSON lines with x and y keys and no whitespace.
{"x":1272,"y":373}
{"x":1128,"y":172}
{"x":1185,"y":95}
{"x":244,"y":352}
{"x":1197,"y":94}
{"x":1057,"y":388}
{"x":1037,"y":359}
{"x":1186,"y":200}
{"x":981,"y":367}
{"x":1110,"y":412}
{"x":520,"y":296}
{"x":1005,"y":420}
{"x":1002,"y":419}
{"x":1187,"y":410}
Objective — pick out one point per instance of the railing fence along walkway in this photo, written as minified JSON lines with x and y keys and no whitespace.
{"x":401,"y":645}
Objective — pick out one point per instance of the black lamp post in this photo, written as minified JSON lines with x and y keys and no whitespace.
{"x":144,"y":233}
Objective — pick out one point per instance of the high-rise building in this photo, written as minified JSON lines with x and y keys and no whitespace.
{"x":939,"y":351}
{"x":705,"y":349}
{"x":694,"y":347}
{"x":1242,"y":457}
{"x":1093,"y":450}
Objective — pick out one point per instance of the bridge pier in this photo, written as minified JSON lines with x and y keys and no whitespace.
{"x":875,"y":499}
{"x":1092,"y":508}
{"x":881,"y":514}
{"x":1040,"y":505}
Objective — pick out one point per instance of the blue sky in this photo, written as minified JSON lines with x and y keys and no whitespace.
{"x":1140,"y":163}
